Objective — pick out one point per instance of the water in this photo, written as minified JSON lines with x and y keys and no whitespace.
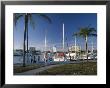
{"x":29,"y":60}
{"x":17,"y":59}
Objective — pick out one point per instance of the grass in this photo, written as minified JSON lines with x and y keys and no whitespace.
{"x":19,"y":69}
{"x":86,"y":68}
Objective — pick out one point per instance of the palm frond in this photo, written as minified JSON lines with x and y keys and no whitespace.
{"x":83,"y":32}
{"x":16,"y":17}
{"x":75,"y":34}
{"x":92,"y":30}
{"x":93,"y":35}
{"x":45,"y":16}
{"x":86,"y":31}
{"x":31,"y":21}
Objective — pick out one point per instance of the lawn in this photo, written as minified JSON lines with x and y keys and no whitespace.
{"x":19,"y":69}
{"x":85,"y":68}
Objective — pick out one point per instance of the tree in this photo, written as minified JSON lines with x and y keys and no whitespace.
{"x":27,"y":17}
{"x":85,"y":32}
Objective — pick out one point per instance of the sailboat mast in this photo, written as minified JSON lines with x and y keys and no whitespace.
{"x":92,"y":46}
{"x":45,"y":41}
{"x":75,"y":44}
{"x":63,"y":36}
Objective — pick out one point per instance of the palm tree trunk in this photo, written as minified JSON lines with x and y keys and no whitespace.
{"x":69,"y":54}
{"x":24,"y":46}
{"x":24,"y":54}
{"x":27,"y":34}
{"x":86,"y":49}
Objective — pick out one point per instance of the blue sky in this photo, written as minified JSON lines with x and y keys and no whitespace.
{"x":72,"y":22}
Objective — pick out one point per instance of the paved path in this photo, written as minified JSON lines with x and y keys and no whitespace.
{"x":36,"y":71}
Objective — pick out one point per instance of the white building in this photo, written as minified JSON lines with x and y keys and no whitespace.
{"x":71,"y":56}
{"x":74,"y":48}
{"x":54,"y":49}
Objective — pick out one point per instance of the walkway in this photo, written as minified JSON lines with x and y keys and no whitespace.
{"x":36,"y":71}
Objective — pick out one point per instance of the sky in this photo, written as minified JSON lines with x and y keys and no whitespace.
{"x":72,"y":23}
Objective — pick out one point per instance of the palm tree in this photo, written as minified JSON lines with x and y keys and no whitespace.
{"x":85,"y":33}
{"x":27,"y":17}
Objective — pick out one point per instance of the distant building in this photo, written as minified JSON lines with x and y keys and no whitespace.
{"x":18,"y":52}
{"x":35,"y":56}
{"x":72,"y":48}
{"x":54,"y":49}
{"x":32,"y":49}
